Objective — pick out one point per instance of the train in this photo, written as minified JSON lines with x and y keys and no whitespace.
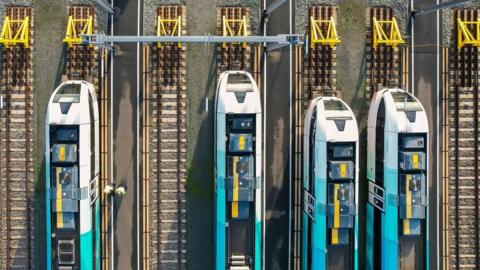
{"x":72,"y":177}
{"x":238,"y":167}
{"x":397,"y":176}
{"x":330,"y":186}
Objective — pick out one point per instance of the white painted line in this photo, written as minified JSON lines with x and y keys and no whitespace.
{"x":412,"y":33}
{"x":138,"y":136}
{"x":264,"y":136}
{"x":438,"y":140}
{"x":290,"y":104}
{"x":112,"y":225}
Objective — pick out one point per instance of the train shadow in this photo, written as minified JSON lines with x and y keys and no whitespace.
{"x":200,"y":177}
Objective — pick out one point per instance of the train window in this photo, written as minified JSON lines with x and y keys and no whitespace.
{"x":242,"y":123}
{"x":64,"y":153}
{"x":66,"y":134}
{"x":239,"y":83}
{"x":66,"y":252}
{"x":404,"y":102}
{"x":342,"y":151}
{"x":334,"y":105}
{"x":69,"y":93}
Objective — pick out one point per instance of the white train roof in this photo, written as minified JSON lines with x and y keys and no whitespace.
{"x":237,"y":92}
{"x":335,"y":121}
{"x":403,"y":111}
{"x":69,"y":104}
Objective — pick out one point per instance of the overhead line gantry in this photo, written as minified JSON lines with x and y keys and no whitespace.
{"x":274,"y":42}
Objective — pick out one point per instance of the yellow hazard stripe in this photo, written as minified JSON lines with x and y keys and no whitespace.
{"x":336,"y":211}
{"x":406,"y":226}
{"x":334,"y":236}
{"x":241,"y":143}
{"x":61,"y":153}
{"x":235,"y":189}
{"x":343,"y":170}
{"x":58,"y":199}
{"x":408,"y":195}
{"x":415,"y":161}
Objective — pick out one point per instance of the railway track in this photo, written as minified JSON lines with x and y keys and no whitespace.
{"x":234,"y":56}
{"x":17,"y":152}
{"x":383,"y":62}
{"x":319,"y":70}
{"x":463,"y":239}
{"x":167,"y":140}
{"x":82,"y":61}
{"x":315,"y":75}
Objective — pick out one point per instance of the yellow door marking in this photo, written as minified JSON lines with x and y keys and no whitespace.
{"x":58,"y":199}
{"x":336,"y":212}
{"x":415,"y":161}
{"x":61,"y":153}
{"x":241,"y":142}
{"x":406,"y":226}
{"x":234,"y":209}
{"x":408,"y":195}
{"x":343,"y":170}
{"x":334,"y":236}
{"x":235,"y":188}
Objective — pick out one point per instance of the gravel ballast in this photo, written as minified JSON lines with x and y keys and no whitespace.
{"x":6,"y":3}
{"x":150,"y":11}
{"x":102,"y":15}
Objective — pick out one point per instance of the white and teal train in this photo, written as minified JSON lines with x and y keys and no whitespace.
{"x":397,"y":172}
{"x":72,"y":178}
{"x":330,"y":186}
{"x":238,"y":167}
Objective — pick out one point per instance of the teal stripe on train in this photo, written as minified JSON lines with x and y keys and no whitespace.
{"x":86,"y":251}
{"x":97,"y":234}
{"x":220,"y":200}
{"x":258,"y":244}
{"x":48,"y":214}
{"x":390,"y":220}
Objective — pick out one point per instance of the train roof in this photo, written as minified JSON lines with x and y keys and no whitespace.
{"x":335,"y":121}
{"x":404,"y":112}
{"x":69,"y":104}
{"x":237,"y":92}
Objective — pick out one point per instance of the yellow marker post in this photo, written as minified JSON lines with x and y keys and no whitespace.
{"x":235,"y":189}
{"x":58,"y":199}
